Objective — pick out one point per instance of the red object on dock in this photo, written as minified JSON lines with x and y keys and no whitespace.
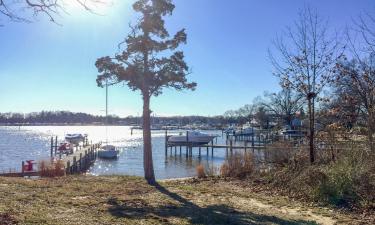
{"x":29,"y":166}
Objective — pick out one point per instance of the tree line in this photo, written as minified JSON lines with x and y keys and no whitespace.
{"x":66,"y":117}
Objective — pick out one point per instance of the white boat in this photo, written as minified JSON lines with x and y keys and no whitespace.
{"x":74,"y":138}
{"x":108,"y":152}
{"x":248,"y":131}
{"x":193,"y":137}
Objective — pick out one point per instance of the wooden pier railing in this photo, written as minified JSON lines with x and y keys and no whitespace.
{"x":81,"y":160}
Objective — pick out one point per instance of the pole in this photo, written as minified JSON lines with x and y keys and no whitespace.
{"x":51,"y":147}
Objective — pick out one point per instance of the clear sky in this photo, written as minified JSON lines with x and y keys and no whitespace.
{"x":44,"y":66}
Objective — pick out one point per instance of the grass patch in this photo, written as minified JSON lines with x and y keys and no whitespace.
{"x":130,"y":200}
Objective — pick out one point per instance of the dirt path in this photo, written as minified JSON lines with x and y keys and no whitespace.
{"x":245,"y":200}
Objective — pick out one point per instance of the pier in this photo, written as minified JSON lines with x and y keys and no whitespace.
{"x":229,"y":146}
{"x":79,"y":161}
{"x":82,"y":157}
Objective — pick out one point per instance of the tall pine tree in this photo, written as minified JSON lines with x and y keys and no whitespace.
{"x":149,"y":63}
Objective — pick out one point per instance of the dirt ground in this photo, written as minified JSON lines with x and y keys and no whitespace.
{"x":130,"y":200}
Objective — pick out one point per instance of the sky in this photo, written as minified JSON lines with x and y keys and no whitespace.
{"x":45,"y":66}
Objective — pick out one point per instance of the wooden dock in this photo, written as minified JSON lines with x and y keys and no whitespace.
{"x":229,"y":146}
{"x":81,"y":160}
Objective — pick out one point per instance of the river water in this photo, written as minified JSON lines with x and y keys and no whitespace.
{"x":33,"y":142}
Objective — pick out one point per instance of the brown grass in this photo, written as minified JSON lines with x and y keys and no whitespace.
{"x":7,"y":219}
{"x":129,"y":200}
{"x":280,"y":153}
{"x":238,"y":165}
{"x":200,"y":171}
{"x":54,"y":169}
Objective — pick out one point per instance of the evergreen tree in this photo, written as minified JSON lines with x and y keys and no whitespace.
{"x":149,"y":63}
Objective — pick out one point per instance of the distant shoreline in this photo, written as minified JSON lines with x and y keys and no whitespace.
{"x":61,"y":124}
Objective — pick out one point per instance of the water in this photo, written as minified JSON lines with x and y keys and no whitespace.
{"x":33,"y":142}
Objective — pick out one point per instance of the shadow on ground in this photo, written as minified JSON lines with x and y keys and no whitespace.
{"x":213,"y":214}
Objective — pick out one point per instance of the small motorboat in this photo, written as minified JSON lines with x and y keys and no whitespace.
{"x":65,"y":148}
{"x":192,"y":137}
{"x":74,"y":138}
{"x":108,"y":152}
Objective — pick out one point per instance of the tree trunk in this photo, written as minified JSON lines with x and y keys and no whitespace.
{"x":147,"y":149}
{"x":312,"y":129}
{"x":370,"y":132}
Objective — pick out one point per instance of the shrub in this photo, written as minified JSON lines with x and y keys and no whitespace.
{"x":211,"y":170}
{"x":200,"y":171}
{"x":279,"y":153}
{"x":350,"y":181}
{"x":238,"y":165}
{"x":54,"y":169}
{"x":338,"y":186}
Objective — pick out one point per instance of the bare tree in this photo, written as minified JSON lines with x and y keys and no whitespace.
{"x":365,"y":27}
{"x":284,"y":104}
{"x":304,"y":63}
{"x":355,"y":78}
{"x":26,"y":10}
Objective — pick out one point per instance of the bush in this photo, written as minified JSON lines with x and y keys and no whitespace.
{"x":54,"y":169}
{"x":348,"y":181}
{"x":279,"y":153}
{"x":200,"y":171}
{"x":238,"y":165}
{"x":337,"y":187}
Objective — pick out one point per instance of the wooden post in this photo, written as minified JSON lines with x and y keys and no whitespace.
{"x":23,"y":168}
{"x":199,"y":152}
{"x":51,"y":147}
{"x":86,"y":161}
{"x":245,"y":145}
{"x":56,"y":145}
{"x":68,"y":167}
{"x":166,"y":142}
{"x":74,"y":164}
{"x":80,"y":162}
{"x":207,"y":150}
{"x":231,"y":146}
{"x":252,"y":141}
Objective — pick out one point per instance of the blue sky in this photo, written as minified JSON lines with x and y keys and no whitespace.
{"x":44,"y":66}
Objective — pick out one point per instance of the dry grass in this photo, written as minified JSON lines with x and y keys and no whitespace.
{"x":200,"y":171}
{"x":238,"y":165}
{"x":54,"y":169}
{"x":346,"y":180}
{"x":280,"y":153}
{"x":7,"y":219}
{"x":130,"y":200}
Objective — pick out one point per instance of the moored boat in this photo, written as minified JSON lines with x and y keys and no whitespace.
{"x":193,"y":137}
{"x":65,"y":148}
{"x":108,"y":152}
{"x":74,"y":138}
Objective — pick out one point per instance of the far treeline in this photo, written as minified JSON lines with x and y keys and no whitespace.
{"x":66,"y":117}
